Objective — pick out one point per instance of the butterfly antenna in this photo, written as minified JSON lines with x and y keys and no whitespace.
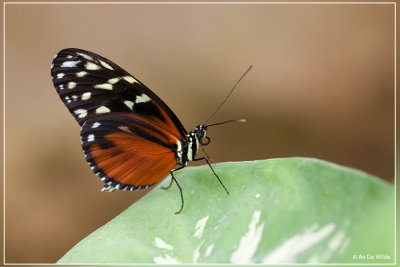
{"x":219,"y":123}
{"x":233,"y":88}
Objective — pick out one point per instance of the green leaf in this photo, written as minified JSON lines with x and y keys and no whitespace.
{"x":293,"y":210}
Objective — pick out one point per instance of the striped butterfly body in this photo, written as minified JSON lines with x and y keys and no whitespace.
{"x":130,"y":137}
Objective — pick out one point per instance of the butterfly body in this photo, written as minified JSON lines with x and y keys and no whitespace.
{"x":130,"y":137}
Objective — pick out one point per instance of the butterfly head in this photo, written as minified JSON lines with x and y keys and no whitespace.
{"x":201,"y":134}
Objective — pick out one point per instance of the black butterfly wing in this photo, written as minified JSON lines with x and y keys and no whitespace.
{"x":91,"y":85}
{"x":129,"y":135}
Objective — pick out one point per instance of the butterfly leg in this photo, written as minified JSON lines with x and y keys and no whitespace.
{"x":167,"y":187}
{"x":172,"y":180}
{"x":180,"y":189}
{"x":208,"y":162}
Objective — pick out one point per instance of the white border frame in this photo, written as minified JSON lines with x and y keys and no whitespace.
{"x":197,"y":3}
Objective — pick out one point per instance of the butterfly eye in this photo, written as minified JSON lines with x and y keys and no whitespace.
{"x":207,"y":141}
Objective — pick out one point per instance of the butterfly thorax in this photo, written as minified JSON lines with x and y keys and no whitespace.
{"x":187,"y":149}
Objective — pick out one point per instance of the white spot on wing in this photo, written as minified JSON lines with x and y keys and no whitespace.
{"x":70,"y":64}
{"x":108,"y":188}
{"x":105,"y":86}
{"x":296,"y":245}
{"x":257,"y":195}
{"x":60,"y":75}
{"x":113,"y":80}
{"x":124,"y":128}
{"x":200,"y":227}
{"x":161,"y":244}
{"x":71,"y":85}
{"x":142,"y":99}
{"x":92,"y":66}
{"x":90,"y":138}
{"x":81,"y":112}
{"x":129,"y":104}
{"x":249,"y":242}
{"x":129,"y":79}
{"x":85,"y":56}
{"x":86,"y":96}
{"x":74,"y":97}
{"x":81,"y":73}
{"x":102,"y":109}
{"x":96,"y":124}
{"x":106,"y":65}
{"x":61,"y":86}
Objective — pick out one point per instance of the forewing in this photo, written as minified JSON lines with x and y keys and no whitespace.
{"x":126,"y":151}
{"x":91,"y":85}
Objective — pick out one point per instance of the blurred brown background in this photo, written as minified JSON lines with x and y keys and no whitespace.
{"x":322,"y":86}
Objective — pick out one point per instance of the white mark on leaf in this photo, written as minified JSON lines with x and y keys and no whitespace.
{"x":196,"y":253}
{"x":335,"y":247}
{"x":249,"y":242}
{"x":201,"y":224}
{"x":162,"y":244}
{"x":209,"y":249}
{"x":288,"y":251}
{"x":165,"y":259}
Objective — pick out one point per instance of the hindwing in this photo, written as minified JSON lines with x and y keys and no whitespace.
{"x":126,"y":151}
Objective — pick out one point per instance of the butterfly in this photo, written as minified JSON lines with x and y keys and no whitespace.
{"x":131,"y":139}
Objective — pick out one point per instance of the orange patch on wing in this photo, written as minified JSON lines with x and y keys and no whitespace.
{"x":133,"y":160}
